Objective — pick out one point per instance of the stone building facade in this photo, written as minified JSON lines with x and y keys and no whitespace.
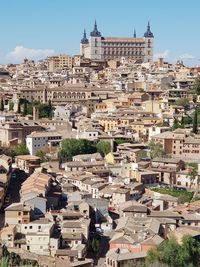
{"x":98,"y":47}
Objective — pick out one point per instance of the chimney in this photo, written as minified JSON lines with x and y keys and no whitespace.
{"x":35,"y":114}
{"x":160,"y":62}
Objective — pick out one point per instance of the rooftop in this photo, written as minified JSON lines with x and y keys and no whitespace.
{"x":27,"y":157}
{"x":43,"y":134}
{"x":18,"y":207}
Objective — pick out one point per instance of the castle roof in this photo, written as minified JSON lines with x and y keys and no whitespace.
{"x":95,"y":32}
{"x":148,"y":33}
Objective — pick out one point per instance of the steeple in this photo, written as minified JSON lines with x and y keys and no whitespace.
{"x":95,"y":32}
{"x":84,"y":40}
{"x":148,"y":33}
{"x":95,"y":25}
{"x":134,"y":35}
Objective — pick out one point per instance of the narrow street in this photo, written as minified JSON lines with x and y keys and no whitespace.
{"x":13,"y":192}
{"x":104,"y":245}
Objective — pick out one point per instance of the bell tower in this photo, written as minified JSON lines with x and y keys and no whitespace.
{"x":149,"y":43}
{"x":95,"y":44}
{"x":84,"y":43}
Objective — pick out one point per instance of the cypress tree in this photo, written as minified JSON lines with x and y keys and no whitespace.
{"x":50,"y":109}
{"x":182,"y":122}
{"x":19,"y":108}
{"x":195,"y":122}
{"x":25,"y":111}
{"x":176,"y":125}
{"x":2,"y":105}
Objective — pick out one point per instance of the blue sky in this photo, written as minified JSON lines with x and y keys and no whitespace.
{"x":36,"y":28}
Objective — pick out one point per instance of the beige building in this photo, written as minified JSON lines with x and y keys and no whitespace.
{"x":17,"y":213}
{"x":83,"y":94}
{"x":138,"y":121}
{"x":11,"y":131}
{"x":115,"y":194}
{"x":7,"y":235}
{"x":167,"y":169}
{"x":179,"y":143}
{"x":39,"y":237}
{"x":59,"y":62}
{"x":27,"y":163}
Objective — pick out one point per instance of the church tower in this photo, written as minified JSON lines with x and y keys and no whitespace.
{"x":95,"y":52}
{"x":84,"y":44}
{"x":149,"y":43}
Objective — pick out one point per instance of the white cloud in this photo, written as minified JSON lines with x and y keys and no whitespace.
{"x":163,"y":54}
{"x":20,"y":52}
{"x":187,"y":56}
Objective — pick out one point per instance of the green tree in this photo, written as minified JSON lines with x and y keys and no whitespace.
{"x":45,"y":110}
{"x":184,"y":198}
{"x":196,"y":86}
{"x":182,"y":102}
{"x":72,"y":147}
{"x":103,"y":147}
{"x":30,"y":108}
{"x":156,"y":149}
{"x":2,"y":105}
{"x":195,"y":122}
{"x":176,"y":125}
{"x":120,"y":141}
{"x":14,"y":259}
{"x":172,"y":254}
{"x":142,"y":154}
{"x":187,"y":120}
{"x":11,"y":106}
{"x":25,"y":109}
{"x":4,"y":262}
{"x":19,"y":108}
{"x":182,"y":122}
{"x":95,"y":245}
{"x":193,"y":172}
{"x":21,"y":149}
{"x":41,"y":155}
{"x":50,"y":109}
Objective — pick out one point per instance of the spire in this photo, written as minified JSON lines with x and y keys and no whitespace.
{"x":95,"y":25}
{"x":148,"y":33}
{"x":95,"y":32}
{"x":84,"y":34}
{"x":84,"y":40}
{"x":134,"y":35}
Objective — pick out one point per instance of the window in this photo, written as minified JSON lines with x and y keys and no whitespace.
{"x":19,"y":213}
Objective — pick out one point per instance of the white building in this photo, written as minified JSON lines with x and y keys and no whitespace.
{"x":64,"y":113}
{"x":38,"y":236}
{"x":108,"y":48}
{"x":37,"y":140}
{"x":88,"y":133}
{"x":154,"y":130}
{"x":184,"y":179}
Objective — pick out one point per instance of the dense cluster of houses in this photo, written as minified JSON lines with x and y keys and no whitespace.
{"x":60,"y":208}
